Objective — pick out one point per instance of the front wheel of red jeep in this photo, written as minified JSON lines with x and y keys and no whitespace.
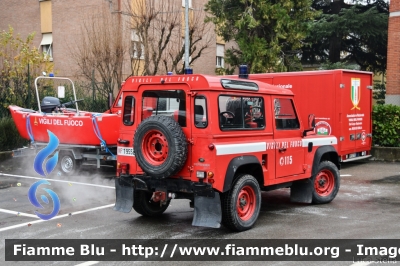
{"x":326,"y":183}
{"x":160,"y":146}
{"x":241,"y":205}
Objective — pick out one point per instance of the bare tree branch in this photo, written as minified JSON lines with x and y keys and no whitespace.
{"x":159,"y":27}
{"x":101,"y":49}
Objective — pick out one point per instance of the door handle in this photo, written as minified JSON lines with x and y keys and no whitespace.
{"x":282,"y":149}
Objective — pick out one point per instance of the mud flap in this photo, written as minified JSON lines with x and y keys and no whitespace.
{"x":207,"y":211}
{"x":124,"y":197}
{"x":301,"y":191}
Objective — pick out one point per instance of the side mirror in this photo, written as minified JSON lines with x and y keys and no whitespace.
{"x":311,"y":124}
{"x":110,"y":100}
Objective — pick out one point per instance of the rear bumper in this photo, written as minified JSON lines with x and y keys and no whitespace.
{"x":184,"y":188}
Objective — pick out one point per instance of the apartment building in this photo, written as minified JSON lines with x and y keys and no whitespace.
{"x":393,"y":56}
{"x":58,"y":27}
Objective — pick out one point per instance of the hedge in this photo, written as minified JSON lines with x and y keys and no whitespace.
{"x":386,"y":125}
{"x":9,"y":136}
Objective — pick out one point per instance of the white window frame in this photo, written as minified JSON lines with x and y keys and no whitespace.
{"x":220,"y":62}
{"x":46,"y":45}
{"x":135,"y":41}
{"x":220,"y":53}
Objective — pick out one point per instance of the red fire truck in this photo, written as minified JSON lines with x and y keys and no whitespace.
{"x":341,"y":101}
{"x":218,"y":141}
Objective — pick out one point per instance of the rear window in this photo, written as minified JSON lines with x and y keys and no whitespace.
{"x":170,"y":103}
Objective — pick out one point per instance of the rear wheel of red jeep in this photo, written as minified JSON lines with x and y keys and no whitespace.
{"x":325,"y":183}
{"x":143,"y":204}
{"x":160,"y":146}
{"x":241,"y":205}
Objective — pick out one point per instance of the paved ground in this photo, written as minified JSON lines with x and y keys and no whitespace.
{"x":367,"y":206}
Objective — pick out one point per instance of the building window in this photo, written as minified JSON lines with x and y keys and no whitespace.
{"x":220,"y":55}
{"x":220,"y":61}
{"x":137,"y":50}
{"x":46,"y":45}
{"x":137,"y":47}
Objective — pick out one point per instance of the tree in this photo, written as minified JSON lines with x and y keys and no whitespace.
{"x":101,"y":50}
{"x":157,"y":36}
{"x":269,"y":34}
{"x":354,"y":33}
{"x":20,"y":62}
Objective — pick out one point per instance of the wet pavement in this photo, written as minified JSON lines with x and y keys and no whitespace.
{"x":366,"y":207}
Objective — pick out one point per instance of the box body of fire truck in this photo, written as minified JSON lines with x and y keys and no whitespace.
{"x":341,"y":101}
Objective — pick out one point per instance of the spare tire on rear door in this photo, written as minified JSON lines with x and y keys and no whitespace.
{"x":160,"y":146}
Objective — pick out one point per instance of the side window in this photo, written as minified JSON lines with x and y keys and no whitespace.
{"x":200,"y":112}
{"x":241,"y":112}
{"x":129,"y":111}
{"x":285,"y":115}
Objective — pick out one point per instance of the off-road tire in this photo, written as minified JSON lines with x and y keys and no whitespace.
{"x":143,"y":204}
{"x":326,"y":183}
{"x":241,"y":205}
{"x":160,"y":146}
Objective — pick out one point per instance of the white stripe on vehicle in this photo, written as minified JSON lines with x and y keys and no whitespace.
{"x":320,"y":141}
{"x":225,"y":149}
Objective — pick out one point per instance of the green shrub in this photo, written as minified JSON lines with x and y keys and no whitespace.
{"x":9,"y":136}
{"x":379,"y":92}
{"x":386,"y":125}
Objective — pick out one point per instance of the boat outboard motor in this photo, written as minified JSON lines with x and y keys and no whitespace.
{"x":49,"y":104}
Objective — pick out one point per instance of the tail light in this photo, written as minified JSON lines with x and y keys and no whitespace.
{"x":122,"y":168}
{"x":210,"y":176}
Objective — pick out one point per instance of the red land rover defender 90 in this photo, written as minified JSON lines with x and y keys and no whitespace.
{"x":218,"y":142}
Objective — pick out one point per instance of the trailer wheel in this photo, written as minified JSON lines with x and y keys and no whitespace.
{"x":143,"y":204}
{"x":160,"y":146}
{"x":241,"y":205}
{"x":326,"y":183}
{"x":67,"y":164}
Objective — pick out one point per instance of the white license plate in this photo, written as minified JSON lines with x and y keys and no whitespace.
{"x":125,"y":151}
